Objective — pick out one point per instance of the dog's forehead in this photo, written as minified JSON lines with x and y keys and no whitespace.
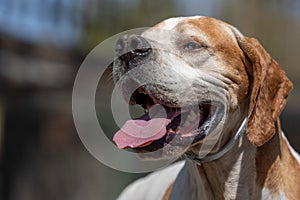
{"x":171,"y":23}
{"x":209,"y":29}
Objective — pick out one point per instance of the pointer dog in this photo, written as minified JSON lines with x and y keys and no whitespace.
{"x":210,"y":80}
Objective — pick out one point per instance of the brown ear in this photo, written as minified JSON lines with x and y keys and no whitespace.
{"x":270,"y":87}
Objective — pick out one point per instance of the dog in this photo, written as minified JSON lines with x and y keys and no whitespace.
{"x":205,"y":66}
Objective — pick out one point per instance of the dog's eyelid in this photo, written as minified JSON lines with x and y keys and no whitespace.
{"x":193,"y":45}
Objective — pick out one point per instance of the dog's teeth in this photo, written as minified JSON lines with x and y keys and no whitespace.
{"x":170,"y":131}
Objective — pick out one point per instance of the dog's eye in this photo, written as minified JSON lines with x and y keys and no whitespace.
{"x":192,"y":46}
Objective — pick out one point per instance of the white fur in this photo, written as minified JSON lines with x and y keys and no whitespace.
{"x":169,"y":24}
{"x":181,"y":68}
{"x":152,"y":186}
{"x":293,"y":152}
{"x":267,"y":195}
{"x":231,"y":184}
{"x":188,"y":184}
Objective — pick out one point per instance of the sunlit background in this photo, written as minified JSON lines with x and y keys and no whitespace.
{"x":42,"y":44}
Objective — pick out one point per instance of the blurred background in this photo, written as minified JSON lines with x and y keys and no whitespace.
{"x":42,"y":44}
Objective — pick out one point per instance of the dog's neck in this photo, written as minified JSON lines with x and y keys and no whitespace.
{"x":242,"y":172}
{"x":221,"y":178}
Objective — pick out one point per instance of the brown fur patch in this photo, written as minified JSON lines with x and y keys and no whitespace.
{"x":290,"y":171}
{"x":225,"y":47}
{"x":168,"y":192}
{"x":277,"y":169}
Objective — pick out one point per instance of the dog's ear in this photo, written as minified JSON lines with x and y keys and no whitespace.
{"x":270,"y":88}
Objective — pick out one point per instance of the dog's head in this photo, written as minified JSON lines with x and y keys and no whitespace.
{"x":204,"y":73}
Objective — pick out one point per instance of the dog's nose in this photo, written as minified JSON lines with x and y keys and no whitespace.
{"x":132,"y":46}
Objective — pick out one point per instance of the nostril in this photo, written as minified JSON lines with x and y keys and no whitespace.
{"x":130,"y":47}
{"x":139,"y":45}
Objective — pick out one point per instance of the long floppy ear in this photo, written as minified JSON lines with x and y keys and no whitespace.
{"x":270,"y":88}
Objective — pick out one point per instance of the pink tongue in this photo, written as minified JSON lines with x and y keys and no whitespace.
{"x":139,"y":133}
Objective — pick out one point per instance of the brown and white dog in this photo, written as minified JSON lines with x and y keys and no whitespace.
{"x":227,"y":72}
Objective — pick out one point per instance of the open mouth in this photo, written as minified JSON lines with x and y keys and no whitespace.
{"x":164,"y":124}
